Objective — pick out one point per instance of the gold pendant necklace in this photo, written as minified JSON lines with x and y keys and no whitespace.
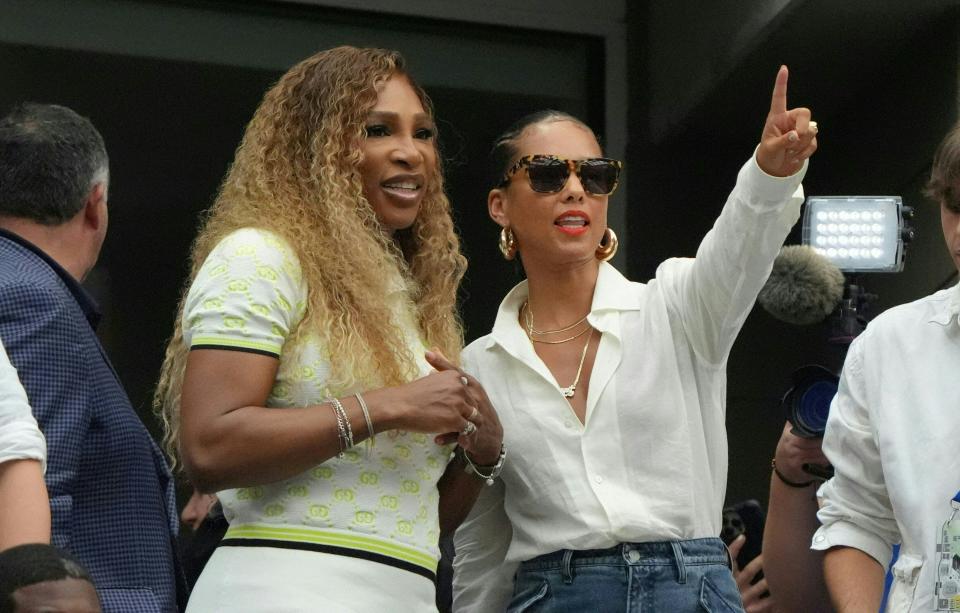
{"x":571,"y":389}
{"x":531,"y":331}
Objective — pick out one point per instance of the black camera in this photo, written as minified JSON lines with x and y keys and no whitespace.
{"x":807,"y":403}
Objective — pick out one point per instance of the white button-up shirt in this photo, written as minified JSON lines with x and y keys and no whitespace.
{"x":892,"y":437}
{"x":650,"y":462}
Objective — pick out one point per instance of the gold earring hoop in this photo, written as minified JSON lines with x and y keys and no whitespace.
{"x":608,"y":246}
{"x":508,"y":244}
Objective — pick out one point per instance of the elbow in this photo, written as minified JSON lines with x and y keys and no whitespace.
{"x":202,"y":467}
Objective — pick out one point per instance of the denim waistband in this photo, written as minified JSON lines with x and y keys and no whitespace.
{"x":685,"y":553}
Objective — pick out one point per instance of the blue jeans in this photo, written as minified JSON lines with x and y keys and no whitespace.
{"x":669,"y":577}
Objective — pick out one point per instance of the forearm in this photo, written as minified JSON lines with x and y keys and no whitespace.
{"x":229,"y":439}
{"x":254,"y":445}
{"x":24,"y":505}
{"x":854,"y":579}
{"x":794,"y":572}
{"x":459,"y":491}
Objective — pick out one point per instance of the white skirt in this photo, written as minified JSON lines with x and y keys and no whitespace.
{"x":277,"y":580}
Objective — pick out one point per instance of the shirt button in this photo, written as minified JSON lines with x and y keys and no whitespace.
{"x":820,"y":539}
{"x":568,"y":424}
{"x":598,"y":479}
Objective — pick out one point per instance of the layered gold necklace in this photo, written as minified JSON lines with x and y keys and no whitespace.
{"x":532,"y":332}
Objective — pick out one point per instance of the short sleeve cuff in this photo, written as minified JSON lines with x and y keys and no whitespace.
{"x":22,"y":440}
{"x":235,"y":344}
{"x":848,"y":534}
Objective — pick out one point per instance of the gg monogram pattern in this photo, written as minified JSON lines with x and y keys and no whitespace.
{"x":248,"y":295}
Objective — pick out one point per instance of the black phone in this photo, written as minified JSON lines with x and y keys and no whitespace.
{"x":745,"y":518}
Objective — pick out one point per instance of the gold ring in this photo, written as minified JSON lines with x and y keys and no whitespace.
{"x":464,"y":380}
{"x":473,"y":414}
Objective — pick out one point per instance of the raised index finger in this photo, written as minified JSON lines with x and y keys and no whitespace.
{"x":778,"y":102}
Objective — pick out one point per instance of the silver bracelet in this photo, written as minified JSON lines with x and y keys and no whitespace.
{"x":495,"y":470}
{"x":343,"y":426}
{"x":341,"y":431}
{"x":346,"y":421}
{"x":366,"y":417}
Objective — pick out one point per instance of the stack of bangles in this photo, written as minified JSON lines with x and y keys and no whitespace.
{"x":484,"y":473}
{"x":344,"y":430}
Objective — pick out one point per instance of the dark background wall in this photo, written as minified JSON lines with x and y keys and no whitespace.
{"x":881,"y":79}
{"x":172,"y":84}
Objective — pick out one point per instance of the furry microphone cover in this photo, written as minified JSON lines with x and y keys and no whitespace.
{"x":804,"y":287}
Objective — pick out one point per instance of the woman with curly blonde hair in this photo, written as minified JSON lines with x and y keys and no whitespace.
{"x":326,"y":266}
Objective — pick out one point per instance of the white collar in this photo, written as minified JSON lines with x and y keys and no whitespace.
{"x":612,"y":294}
{"x":948,"y":310}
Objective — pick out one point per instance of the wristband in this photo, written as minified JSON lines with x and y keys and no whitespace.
{"x":784,"y":480}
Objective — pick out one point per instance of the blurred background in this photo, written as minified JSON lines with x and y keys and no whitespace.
{"x":679,"y":89}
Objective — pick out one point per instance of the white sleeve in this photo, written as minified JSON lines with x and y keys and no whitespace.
{"x":714,"y":293}
{"x":20,"y":438}
{"x":482,"y":581}
{"x":247,"y":296}
{"x":856,"y":510}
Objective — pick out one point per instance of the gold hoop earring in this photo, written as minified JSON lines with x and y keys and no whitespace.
{"x":608,"y":246}
{"x":508,"y":244}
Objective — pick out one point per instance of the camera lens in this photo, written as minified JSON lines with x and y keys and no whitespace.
{"x":807,"y":403}
{"x":813,"y":408}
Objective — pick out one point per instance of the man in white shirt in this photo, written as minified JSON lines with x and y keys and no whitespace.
{"x":24,"y":507}
{"x":892,"y":438}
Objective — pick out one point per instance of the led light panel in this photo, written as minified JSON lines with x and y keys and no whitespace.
{"x":856,"y":233}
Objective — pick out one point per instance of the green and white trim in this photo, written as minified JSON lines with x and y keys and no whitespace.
{"x":384,"y":551}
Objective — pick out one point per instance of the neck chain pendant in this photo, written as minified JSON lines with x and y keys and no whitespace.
{"x":571,"y":389}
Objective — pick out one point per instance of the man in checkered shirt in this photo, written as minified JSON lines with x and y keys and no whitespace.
{"x":111,"y":494}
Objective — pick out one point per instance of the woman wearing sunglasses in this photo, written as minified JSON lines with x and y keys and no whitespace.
{"x":611,"y":393}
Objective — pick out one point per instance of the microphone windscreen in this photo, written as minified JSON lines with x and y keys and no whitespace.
{"x":804,"y":287}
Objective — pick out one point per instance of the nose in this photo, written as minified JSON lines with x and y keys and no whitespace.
{"x":406,"y":153}
{"x":573,"y":189}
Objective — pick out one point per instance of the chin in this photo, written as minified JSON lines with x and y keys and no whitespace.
{"x":392,"y":226}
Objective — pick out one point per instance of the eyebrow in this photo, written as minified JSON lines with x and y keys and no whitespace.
{"x":391,"y":116}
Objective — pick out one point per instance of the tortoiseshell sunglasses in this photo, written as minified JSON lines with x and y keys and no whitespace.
{"x":548,"y":173}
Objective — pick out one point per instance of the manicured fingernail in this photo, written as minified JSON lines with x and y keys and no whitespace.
{"x":792,"y":137}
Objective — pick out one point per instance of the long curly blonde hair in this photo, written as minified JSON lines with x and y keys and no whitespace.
{"x":296,"y":174}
